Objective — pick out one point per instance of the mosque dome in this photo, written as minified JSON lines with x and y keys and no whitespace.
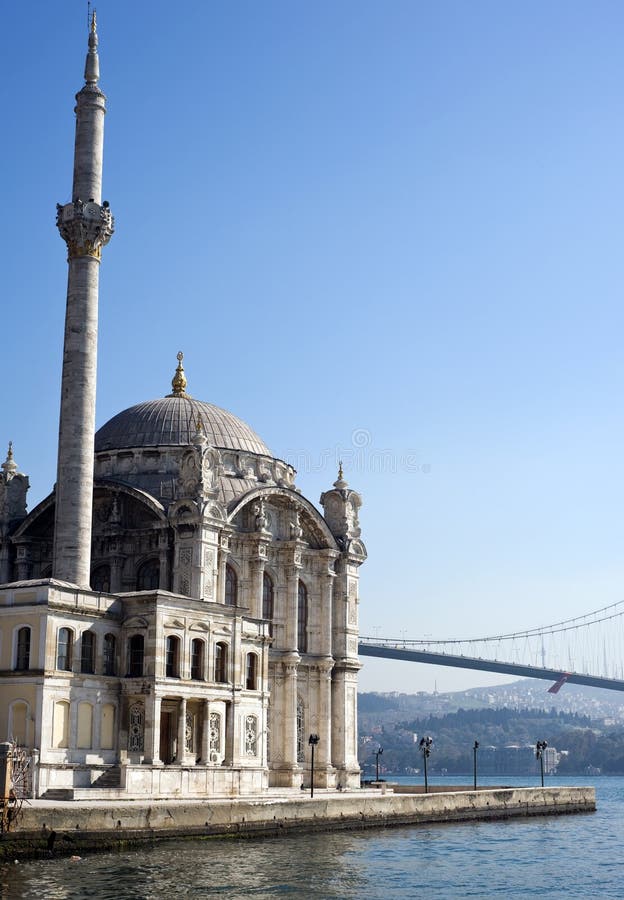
{"x":172,"y":421}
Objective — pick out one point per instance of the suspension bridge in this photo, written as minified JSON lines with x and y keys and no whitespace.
{"x":585,"y":650}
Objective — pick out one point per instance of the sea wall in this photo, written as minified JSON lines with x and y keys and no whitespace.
{"x":73,"y":827}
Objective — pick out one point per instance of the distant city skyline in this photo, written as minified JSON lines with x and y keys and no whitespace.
{"x":403,"y":224}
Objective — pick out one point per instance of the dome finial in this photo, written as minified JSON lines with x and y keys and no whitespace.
{"x":9,"y":466}
{"x":178,"y":382}
{"x":340,"y":482}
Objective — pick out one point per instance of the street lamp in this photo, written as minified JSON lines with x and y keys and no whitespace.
{"x":539,"y":754}
{"x":377,"y":755}
{"x":474,"y":750}
{"x":312,"y":741}
{"x":425,"y":745}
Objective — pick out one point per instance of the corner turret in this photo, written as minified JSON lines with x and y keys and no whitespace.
{"x":13,"y":489}
{"x":341,"y":507}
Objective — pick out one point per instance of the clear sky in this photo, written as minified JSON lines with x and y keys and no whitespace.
{"x":384,"y":231}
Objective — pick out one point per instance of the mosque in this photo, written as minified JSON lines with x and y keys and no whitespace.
{"x":176,"y":618}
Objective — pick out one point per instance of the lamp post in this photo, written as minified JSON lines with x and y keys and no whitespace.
{"x":539,"y":754}
{"x":474,"y":751}
{"x":312,"y":741}
{"x":425,"y":748}
{"x":377,"y":755}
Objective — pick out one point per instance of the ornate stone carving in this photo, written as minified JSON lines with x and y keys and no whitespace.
{"x":296,"y":531}
{"x":136,"y":728}
{"x":261,"y":520}
{"x":214,"y":737}
{"x":186,"y":556}
{"x":251,"y":736}
{"x":85,"y":227}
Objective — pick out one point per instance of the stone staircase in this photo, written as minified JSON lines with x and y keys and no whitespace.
{"x":105,"y":784}
{"x":110,"y":778}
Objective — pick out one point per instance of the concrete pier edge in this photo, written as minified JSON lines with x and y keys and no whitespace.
{"x":105,"y":825}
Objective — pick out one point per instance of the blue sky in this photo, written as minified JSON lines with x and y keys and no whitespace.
{"x":385,"y":231}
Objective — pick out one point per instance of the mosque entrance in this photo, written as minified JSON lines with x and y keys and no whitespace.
{"x":167,"y":737}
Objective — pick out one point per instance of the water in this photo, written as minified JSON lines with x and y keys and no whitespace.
{"x":554,"y":857}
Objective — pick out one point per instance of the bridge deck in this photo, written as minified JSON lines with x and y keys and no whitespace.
{"x":486,"y":665}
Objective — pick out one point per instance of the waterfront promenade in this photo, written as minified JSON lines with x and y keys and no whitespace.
{"x":70,"y":827}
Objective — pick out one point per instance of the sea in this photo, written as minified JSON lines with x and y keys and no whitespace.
{"x":545,"y":857}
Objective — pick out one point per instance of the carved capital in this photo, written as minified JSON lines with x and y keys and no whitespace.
{"x":85,"y":227}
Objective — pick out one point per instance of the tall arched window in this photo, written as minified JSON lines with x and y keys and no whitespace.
{"x":148,"y":576}
{"x":267,"y":597}
{"x":64,"y":649}
{"x":110,"y":651}
{"x":87,"y":653}
{"x":251,"y":672}
{"x":136,"y":646}
{"x":221,"y":663}
{"x":231,"y":586}
{"x":302,"y":618}
{"x":172,"y":656}
{"x":197,"y":659}
{"x":100,"y":579}
{"x":22,"y":654}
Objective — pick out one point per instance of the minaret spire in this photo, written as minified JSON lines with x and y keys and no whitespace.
{"x":92,"y":65}
{"x":86,"y":225}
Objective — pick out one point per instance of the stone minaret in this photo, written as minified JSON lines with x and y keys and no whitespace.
{"x":86,"y":225}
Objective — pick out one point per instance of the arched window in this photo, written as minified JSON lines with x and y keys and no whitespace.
{"x":87,"y":653}
{"x":172,"y":656}
{"x":136,"y":646}
{"x":251,"y":672}
{"x":267,"y":598}
{"x":100,"y":579}
{"x":148,"y":576}
{"x":231,"y":586}
{"x":22,"y":654}
{"x":197,"y":659}
{"x":64,"y":649}
{"x":110,"y":652}
{"x":302,"y":618}
{"x":221,"y":663}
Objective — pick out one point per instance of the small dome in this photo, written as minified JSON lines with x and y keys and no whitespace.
{"x":172,"y":421}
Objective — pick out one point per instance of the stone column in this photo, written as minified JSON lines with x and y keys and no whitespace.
{"x":324,"y":748}
{"x":116,"y":568}
{"x":224,"y":552}
{"x":86,"y":225}
{"x":205,"y":734}
{"x":291,"y":605}
{"x":257,"y":583}
{"x":164,"y":577}
{"x":327,"y":592}
{"x":152,"y":730}
{"x":230,"y":734}
{"x":181,"y":748}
